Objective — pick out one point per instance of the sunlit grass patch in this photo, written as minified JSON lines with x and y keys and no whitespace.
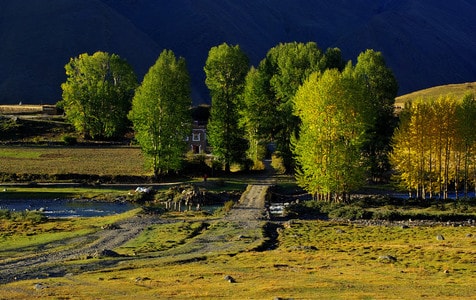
{"x":162,"y":237}
{"x":73,"y":160}
{"x":314,"y":260}
{"x":22,"y":238}
{"x":412,"y":247}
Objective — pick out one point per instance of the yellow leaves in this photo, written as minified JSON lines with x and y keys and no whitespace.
{"x":425,"y":151}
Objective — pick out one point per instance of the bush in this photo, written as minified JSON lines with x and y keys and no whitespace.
{"x":69,"y":140}
{"x":33,"y":217}
{"x":153,"y":209}
{"x":228,"y":205}
{"x":277,"y":163}
{"x":349,"y":212}
{"x":5,"y":214}
{"x":217,"y":165}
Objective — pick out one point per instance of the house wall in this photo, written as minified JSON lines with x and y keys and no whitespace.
{"x":198,"y":140}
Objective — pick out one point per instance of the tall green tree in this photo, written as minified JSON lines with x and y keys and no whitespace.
{"x":271,"y":87}
{"x":161,"y":113}
{"x":255,"y":114}
{"x":334,"y":115}
{"x":97,"y":94}
{"x":226,"y":68}
{"x":382,"y":88}
{"x":288,"y":66}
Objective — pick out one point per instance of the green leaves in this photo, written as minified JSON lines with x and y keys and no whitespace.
{"x":161,"y":113}
{"x":97,"y":94}
{"x":334,"y":119}
{"x":226,"y":68}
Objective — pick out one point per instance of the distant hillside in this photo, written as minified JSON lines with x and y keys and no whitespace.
{"x":426,"y":43}
{"x":458,"y":90}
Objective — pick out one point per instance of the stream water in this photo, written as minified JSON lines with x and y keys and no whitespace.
{"x":64,"y":208}
{"x":68,"y":208}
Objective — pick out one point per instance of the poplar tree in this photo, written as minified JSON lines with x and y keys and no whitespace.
{"x":334,"y":118}
{"x":226,"y":68}
{"x":271,"y":87}
{"x":466,"y":124}
{"x":433,"y":148}
{"x":161,"y":113}
{"x":97,"y":94}
{"x":381,"y":90}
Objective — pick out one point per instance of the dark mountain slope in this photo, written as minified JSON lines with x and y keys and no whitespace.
{"x":426,"y":43}
{"x":37,"y":38}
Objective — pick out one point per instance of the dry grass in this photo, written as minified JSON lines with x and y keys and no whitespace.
{"x":72,"y":160}
{"x":458,"y":90}
{"x":20,"y":109}
{"x":314,"y":260}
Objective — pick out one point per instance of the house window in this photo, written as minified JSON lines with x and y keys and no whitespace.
{"x":196,"y":137}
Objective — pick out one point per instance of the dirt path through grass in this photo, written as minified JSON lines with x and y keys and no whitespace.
{"x":240,"y":230}
{"x":50,"y":262}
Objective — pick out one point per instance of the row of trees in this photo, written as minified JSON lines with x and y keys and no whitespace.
{"x":101,"y":93}
{"x":277,"y":101}
{"x":261,"y":107}
{"x":346,"y":123}
{"x":434,"y":148}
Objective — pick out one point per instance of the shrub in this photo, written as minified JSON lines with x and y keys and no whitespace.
{"x":277,"y":163}
{"x":228,"y":205}
{"x":349,"y":212}
{"x":33,"y":217}
{"x":217,"y":165}
{"x":389,"y":215}
{"x":5,"y":214}
{"x":153,"y":209}
{"x":69,"y":140}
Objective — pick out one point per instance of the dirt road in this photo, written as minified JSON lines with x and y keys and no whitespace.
{"x":49,"y":262}
{"x":239,"y":229}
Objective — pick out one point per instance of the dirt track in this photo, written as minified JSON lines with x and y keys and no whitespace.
{"x":48,"y":262}
{"x":244,"y":217}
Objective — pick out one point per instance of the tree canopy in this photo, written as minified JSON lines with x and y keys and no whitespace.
{"x":97,"y":94}
{"x":161,"y":113}
{"x":272,"y":86}
{"x":225,"y":70}
{"x":381,"y":90}
{"x":434,"y":146}
{"x":335,"y":114}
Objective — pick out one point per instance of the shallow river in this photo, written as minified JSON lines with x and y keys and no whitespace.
{"x":63,"y":208}
{"x":68,"y":208}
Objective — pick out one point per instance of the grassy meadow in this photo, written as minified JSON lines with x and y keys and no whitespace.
{"x":458,"y":90}
{"x":311,"y":260}
{"x":44,"y":160}
{"x":304,"y":259}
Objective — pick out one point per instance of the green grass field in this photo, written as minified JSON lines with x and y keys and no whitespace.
{"x":125,"y":161}
{"x":312,"y":260}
